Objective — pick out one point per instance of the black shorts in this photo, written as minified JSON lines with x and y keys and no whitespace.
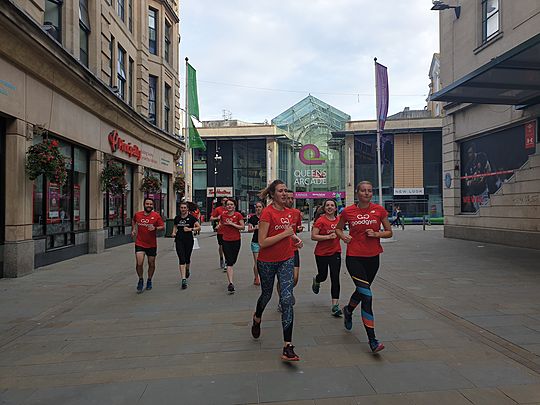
{"x":230,"y":251}
{"x":220,"y":239}
{"x":296,"y":258}
{"x":150,"y":252}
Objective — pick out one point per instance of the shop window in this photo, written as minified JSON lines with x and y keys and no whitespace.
{"x":490,"y":19}
{"x":152,"y":31}
{"x":118,"y":208}
{"x":161,"y":201}
{"x":53,"y":18}
{"x":80,"y":187}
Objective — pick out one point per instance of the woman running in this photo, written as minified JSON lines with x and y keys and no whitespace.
{"x":276,"y":257}
{"x":253,"y":226}
{"x":363,"y":250}
{"x":184,"y":226}
{"x":230,"y":224}
{"x":196,"y":212}
{"x":327,"y":252}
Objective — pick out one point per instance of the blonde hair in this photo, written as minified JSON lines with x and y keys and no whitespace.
{"x":363,"y":182}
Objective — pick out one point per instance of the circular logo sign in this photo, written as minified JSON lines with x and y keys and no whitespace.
{"x":310,"y":155}
{"x":448,"y":180}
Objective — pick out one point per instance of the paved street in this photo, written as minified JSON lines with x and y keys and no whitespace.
{"x":460,"y":321}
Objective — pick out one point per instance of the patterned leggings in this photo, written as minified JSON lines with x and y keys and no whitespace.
{"x":285,"y":274}
{"x":363,"y":271}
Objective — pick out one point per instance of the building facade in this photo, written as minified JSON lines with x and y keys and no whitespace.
{"x":100,"y":78}
{"x":490,"y":74}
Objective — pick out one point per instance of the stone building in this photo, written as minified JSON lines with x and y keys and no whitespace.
{"x":92,"y":75}
{"x":490,"y":75}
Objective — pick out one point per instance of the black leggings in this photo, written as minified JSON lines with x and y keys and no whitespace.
{"x":363,"y":271}
{"x":231,"y":248}
{"x":184,"y":247}
{"x":334,"y":263}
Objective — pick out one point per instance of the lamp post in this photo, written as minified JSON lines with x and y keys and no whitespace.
{"x":217,"y":161}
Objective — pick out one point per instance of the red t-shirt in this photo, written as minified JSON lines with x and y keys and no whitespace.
{"x":216,"y":213}
{"x":326,"y":227}
{"x":230,"y":233}
{"x":277,"y":221}
{"x":146,"y":238}
{"x":361,"y":219}
{"x":297,"y":221}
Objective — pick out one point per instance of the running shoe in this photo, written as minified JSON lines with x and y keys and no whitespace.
{"x":257,"y":281}
{"x":149,"y":284}
{"x":221,"y":263}
{"x":336,"y":311}
{"x":375,"y":346}
{"x":347,"y":318}
{"x":315,"y":286}
{"x":230,"y":288}
{"x":184,"y":284}
{"x":187,"y":272}
{"x":289,"y":354}
{"x":140,"y":286}
{"x":256,"y":329}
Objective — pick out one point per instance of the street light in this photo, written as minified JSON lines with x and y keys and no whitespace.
{"x":217,"y":161}
{"x":439,"y":5}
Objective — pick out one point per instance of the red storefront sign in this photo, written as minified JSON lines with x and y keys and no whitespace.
{"x":118,"y":143}
{"x":530,"y":134}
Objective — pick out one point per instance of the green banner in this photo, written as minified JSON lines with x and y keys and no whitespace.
{"x":195,"y":141}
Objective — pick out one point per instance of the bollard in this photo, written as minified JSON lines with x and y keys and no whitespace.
{"x":424,"y":222}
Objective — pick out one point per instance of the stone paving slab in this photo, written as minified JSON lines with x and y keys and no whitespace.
{"x":76,"y":332}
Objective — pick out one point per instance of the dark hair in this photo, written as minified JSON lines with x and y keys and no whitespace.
{"x":270,"y":190}
{"x":320,"y":209}
{"x":259,"y":202}
{"x":149,"y":199}
{"x":233,"y":200}
{"x":184,"y":203}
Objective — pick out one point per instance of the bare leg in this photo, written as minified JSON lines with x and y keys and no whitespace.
{"x":230,"y":273}
{"x":139,"y":263}
{"x":151,"y":266}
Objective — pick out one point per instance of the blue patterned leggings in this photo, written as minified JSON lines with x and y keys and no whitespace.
{"x":285,"y":274}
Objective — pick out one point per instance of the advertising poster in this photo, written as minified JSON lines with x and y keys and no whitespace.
{"x":76,"y":202}
{"x":53,"y":203}
{"x":487,"y":161}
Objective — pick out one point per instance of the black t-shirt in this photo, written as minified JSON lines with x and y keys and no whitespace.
{"x":254,"y":221}
{"x":180,"y":223}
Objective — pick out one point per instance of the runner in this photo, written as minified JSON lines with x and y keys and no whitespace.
{"x":145,"y":224}
{"x":184,"y":226}
{"x":216,"y":214}
{"x":230,"y":224}
{"x":196,"y":212}
{"x":363,"y":250}
{"x":276,"y":258}
{"x":327,"y":252}
{"x":253,"y":226}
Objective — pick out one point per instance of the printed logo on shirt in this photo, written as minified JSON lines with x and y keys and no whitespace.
{"x":363,"y":219}
{"x":285,"y":223}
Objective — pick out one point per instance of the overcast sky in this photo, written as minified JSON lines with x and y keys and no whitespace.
{"x":256,"y":58}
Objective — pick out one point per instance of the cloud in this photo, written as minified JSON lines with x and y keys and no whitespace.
{"x":322,"y":47}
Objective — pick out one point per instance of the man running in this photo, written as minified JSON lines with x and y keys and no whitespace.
{"x":215,"y":216}
{"x":145,"y":225}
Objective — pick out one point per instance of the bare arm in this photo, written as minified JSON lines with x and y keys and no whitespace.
{"x":387,"y":233}
{"x":174,"y":230}
{"x":133,"y":228}
{"x":266,"y":241}
{"x":315,"y":235}
{"x":339,"y":230}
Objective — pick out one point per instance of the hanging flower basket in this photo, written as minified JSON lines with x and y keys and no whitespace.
{"x":46,"y":159}
{"x":113,"y":178}
{"x":150,"y":184}
{"x":179,"y":185}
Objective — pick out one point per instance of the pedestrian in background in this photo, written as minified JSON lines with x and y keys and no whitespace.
{"x":185,"y":225}
{"x":215,"y":217}
{"x":231,"y":222}
{"x":253,"y":226}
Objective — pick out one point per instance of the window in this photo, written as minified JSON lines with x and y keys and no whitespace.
{"x":84,"y":31}
{"x":53,"y":18}
{"x":161,"y":200}
{"x":490,"y":19}
{"x":61,"y":210}
{"x":152,"y":31}
{"x":130,"y":15}
{"x":167,"y":41}
{"x":152,"y":98}
{"x":118,"y":208}
{"x":121,"y":72}
{"x":167,"y":108}
{"x":131,"y":80}
{"x":111,"y":58}
{"x":121,"y":9}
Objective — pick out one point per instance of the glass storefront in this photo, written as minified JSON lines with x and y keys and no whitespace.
{"x":249,"y":172}
{"x":117,"y":208}
{"x":2,"y":192}
{"x":60,"y":211}
{"x":161,"y":199}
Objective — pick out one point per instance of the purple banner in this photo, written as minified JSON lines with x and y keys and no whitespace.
{"x":318,"y":194}
{"x":381,"y":75}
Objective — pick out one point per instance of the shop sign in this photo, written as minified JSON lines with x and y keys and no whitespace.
{"x":319,"y":194}
{"x":220,"y":191}
{"x":118,"y":143}
{"x":409,"y":191}
{"x":305,"y":177}
{"x":310,"y":155}
{"x":530,"y":134}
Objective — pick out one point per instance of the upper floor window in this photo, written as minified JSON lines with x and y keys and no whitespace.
{"x":130,"y":15}
{"x":53,"y":18}
{"x":152,"y":31}
{"x":166,"y":52}
{"x":131,"y":79}
{"x":490,"y":19}
{"x":84,"y":31}
{"x":121,"y":7}
{"x":152,"y":98}
{"x":121,"y":71}
{"x":167,"y":108}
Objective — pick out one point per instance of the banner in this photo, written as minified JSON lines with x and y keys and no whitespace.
{"x":381,"y":84}
{"x":195,"y":141}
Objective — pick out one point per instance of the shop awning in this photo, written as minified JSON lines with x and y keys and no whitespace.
{"x":512,"y":79}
